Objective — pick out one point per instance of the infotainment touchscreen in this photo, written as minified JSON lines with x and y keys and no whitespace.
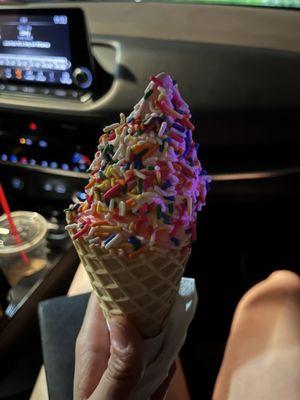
{"x":45,"y":47}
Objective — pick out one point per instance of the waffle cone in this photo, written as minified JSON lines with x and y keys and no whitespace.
{"x":143,"y":289}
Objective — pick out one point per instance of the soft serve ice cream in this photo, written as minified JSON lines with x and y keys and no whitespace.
{"x":146,"y":183}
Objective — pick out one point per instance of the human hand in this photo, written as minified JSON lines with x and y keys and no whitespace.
{"x":109,"y":364}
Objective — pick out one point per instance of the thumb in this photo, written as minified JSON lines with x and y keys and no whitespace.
{"x":125,"y":365}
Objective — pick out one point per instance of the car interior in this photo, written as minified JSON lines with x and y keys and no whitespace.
{"x":68,"y":69}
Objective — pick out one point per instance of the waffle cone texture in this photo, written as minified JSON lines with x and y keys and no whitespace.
{"x":143,"y":289}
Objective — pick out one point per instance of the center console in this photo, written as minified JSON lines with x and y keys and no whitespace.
{"x":45,"y":159}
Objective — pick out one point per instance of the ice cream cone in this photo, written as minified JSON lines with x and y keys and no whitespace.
{"x":135,"y":229}
{"x":143,"y":289}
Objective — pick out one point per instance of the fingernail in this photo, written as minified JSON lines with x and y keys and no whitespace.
{"x":118,"y":336}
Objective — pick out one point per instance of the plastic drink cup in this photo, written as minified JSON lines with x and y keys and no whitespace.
{"x":32,"y":229}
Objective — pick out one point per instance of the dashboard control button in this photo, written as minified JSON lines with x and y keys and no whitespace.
{"x":12,"y":88}
{"x":53,"y":164}
{"x":65,"y":167}
{"x":80,"y":195}
{"x":60,"y":188}
{"x":74,"y":94}
{"x":43,"y":143}
{"x":17,"y":183}
{"x":45,"y":91}
{"x":82,"y":77}
{"x":47,"y":186}
{"x":13,"y":158}
{"x":28,"y":89}
{"x":60,"y":93}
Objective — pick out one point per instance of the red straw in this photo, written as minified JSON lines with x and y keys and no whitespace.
{"x":13,"y":229}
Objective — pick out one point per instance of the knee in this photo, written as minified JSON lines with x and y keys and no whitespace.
{"x":276,"y":288}
{"x":285,"y":281}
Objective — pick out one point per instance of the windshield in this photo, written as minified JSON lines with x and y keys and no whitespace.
{"x":255,"y":3}
{"x":262,"y":3}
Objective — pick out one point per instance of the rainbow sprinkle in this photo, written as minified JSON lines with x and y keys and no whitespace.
{"x":146,"y":183}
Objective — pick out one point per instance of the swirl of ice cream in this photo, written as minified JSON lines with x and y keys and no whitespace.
{"x":146,"y":183}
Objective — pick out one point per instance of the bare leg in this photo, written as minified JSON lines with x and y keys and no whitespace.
{"x":262,"y":356}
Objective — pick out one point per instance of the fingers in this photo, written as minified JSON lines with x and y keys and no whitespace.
{"x":163,"y":389}
{"x":126,"y":363}
{"x":108,"y":365}
{"x":91,"y":352}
